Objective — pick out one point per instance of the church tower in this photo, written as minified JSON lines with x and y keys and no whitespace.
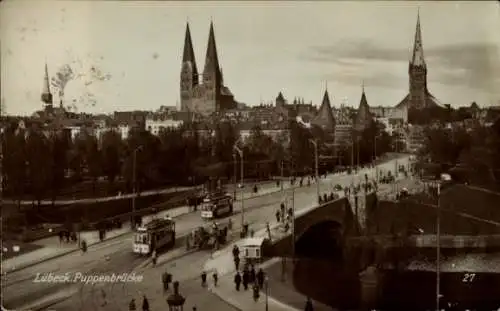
{"x":46,"y":96}
{"x":417,"y":71}
{"x":325,"y":118}
{"x":189,"y":72}
{"x":363,"y":116}
{"x":212,"y":75}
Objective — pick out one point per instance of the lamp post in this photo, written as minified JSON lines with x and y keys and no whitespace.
{"x":315,"y":143}
{"x":176,"y":301}
{"x":267,"y":293}
{"x":134,"y":173}
{"x":235,"y":185}
{"x":240,"y":152}
{"x":438,"y":247}
{"x":375,"y":156}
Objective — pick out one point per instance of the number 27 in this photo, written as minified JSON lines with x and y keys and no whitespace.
{"x":468,"y":277}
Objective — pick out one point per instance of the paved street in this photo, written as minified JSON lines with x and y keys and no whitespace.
{"x":19,"y":289}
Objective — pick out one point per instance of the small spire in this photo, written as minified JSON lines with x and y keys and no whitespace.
{"x":363,"y":86}
{"x":326,"y":85}
{"x":418,"y":50}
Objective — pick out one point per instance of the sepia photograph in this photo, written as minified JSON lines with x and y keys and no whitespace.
{"x":250,"y":155}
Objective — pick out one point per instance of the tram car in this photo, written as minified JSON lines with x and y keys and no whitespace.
{"x":216,"y":206}
{"x":157,"y":234}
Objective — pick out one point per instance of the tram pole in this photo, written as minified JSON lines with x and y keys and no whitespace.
{"x":240,"y":152}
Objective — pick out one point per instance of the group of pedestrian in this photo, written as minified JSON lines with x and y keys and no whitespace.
{"x":284,"y":216}
{"x":145,"y":304}
{"x":67,"y":237}
{"x":215,"y":278}
{"x":327,"y":197}
{"x":250,"y":277}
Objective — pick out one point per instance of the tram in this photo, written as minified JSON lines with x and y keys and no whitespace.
{"x":216,"y":206}
{"x":155,"y":235}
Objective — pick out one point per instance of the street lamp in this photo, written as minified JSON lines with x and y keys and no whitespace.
{"x":134,"y":173}
{"x":176,"y":300}
{"x":315,"y":143}
{"x":267,"y":292}
{"x":240,"y":152}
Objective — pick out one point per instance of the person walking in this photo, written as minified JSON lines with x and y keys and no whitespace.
{"x":309,"y":305}
{"x":260,"y":278}
{"x":145,"y":303}
{"x":215,"y":277}
{"x":164,"y":280}
{"x":237,"y":280}
{"x":153,"y":257}
{"x":278,"y":216}
{"x":252,"y":274}
{"x":131,"y":305}
{"x":203,"y":279}
{"x":237,"y":263}
{"x":256,"y":292}
{"x":246,"y":279}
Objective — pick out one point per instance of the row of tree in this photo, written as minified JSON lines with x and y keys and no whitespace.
{"x":40,"y":164}
{"x":470,"y":153}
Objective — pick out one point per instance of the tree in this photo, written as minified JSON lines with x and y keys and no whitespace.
{"x":14,"y":162}
{"x":111,"y":152}
{"x":39,"y":164}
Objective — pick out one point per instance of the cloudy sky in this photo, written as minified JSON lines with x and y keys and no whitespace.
{"x":126,"y":55}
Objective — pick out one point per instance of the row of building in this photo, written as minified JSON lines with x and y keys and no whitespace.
{"x":206,"y":100}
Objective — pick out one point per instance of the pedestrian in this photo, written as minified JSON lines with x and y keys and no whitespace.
{"x":246,"y":279}
{"x":164,"y":280}
{"x":215,"y":277}
{"x":145,"y":304}
{"x":237,"y":280}
{"x":203,"y":279}
{"x":309,"y":305}
{"x":260,"y":278}
{"x":252,"y":274}
{"x":236,"y":251}
{"x":277,"y":216}
{"x":325,"y":198}
{"x":153,"y":257}
{"x":282,"y":207}
{"x":237,"y":263}
{"x":60,"y":237}
{"x":194,"y":308}
{"x":230,"y":224}
{"x":131,"y":305}
{"x":84,"y":246}
{"x":256,"y":292}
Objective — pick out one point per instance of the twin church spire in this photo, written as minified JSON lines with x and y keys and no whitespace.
{"x":211,"y":59}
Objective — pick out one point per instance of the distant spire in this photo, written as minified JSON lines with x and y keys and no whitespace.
{"x":46,"y":94}
{"x":326,"y":85}
{"x":363,"y":86}
{"x":211,"y":59}
{"x":325,"y":117}
{"x":418,"y":50}
{"x":188,"y":54}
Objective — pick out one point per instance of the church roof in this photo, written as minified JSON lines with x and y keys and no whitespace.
{"x":280,"y":97}
{"x":211,"y":59}
{"x":325,"y":118}
{"x":418,"y":50}
{"x":363,"y":115}
{"x":188,"y":54}
{"x":225,"y":91}
{"x":430,"y":101}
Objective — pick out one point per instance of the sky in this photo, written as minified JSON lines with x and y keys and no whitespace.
{"x":127,"y":55}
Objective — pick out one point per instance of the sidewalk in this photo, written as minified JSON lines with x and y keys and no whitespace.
{"x":52,"y":248}
{"x":222,"y":262}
